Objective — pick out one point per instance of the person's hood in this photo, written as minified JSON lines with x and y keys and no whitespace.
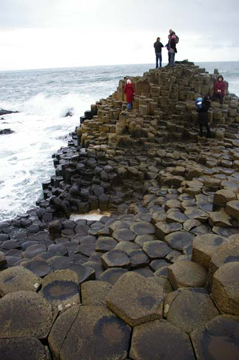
{"x":220,"y":76}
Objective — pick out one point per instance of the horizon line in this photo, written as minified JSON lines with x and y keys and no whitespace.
{"x":89,"y":66}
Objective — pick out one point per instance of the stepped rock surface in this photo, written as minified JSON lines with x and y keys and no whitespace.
{"x":156,"y":278}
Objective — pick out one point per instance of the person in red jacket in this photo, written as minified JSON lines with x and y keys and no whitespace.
{"x":219,"y":89}
{"x":129,"y":91}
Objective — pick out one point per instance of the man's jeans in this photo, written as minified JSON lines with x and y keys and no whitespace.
{"x":129,"y":106}
{"x":172,"y":57}
{"x":158,"y":59}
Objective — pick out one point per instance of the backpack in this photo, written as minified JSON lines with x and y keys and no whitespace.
{"x":198,"y":103}
{"x":176,"y":39}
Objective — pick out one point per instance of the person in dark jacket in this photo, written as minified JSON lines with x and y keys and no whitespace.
{"x":203,"y":116}
{"x":219,"y":89}
{"x":158,"y":52}
{"x":172,"y":49}
{"x":129,"y":92}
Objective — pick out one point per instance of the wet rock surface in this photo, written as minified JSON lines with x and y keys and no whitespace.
{"x":162,"y":263}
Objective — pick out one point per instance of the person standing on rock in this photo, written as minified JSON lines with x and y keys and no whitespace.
{"x":158,"y":52}
{"x":219,"y":89}
{"x":172,"y":48}
{"x":202,"y":109}
{"x":129,"y":92}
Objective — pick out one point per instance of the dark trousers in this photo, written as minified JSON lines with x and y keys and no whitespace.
{"x":207,"y":128}
{"x":158,"y":60}
{"x":218,"y":96}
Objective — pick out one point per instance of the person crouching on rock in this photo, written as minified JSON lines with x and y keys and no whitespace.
{"x":202,"y":109}
{"x":219,"y":89}
{"x":129,"y":91}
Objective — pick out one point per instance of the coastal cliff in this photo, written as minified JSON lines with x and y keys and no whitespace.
{"x":158,"y":277}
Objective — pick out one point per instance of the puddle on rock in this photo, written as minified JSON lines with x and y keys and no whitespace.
{"x":95,"y":215}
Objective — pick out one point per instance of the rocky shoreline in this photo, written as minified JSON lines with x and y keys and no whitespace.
{"x":156,"y":279}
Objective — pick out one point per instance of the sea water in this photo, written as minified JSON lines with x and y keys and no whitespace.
{"x":42,"y":98}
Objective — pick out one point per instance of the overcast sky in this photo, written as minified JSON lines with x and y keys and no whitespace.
{"x":63,"y":33}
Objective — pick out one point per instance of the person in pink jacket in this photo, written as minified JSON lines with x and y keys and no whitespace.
{"x":219,"y":89}
{"x":129,"y":92}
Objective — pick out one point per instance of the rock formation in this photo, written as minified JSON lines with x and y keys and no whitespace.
{"x":158,"y":278}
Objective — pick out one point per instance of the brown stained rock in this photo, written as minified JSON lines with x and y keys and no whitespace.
{"x":61,"y":288}
{"x":25,"y":314}
{"x":136,"y":299}
{"x":142,"y":228}
{"x":219,"y":339}
{"x":221,"y":197}
{"x":185,"y":311}
{"x":225,"y":289}
{"x":160,"y":340}
{"x":104,"y":244}
{"x":232,"y":208}
{"x":93,"y":293}
{"x":26,"y":348}
{"x":179,"y":239}
{"x":114,"y":259}
{"x":187,"y":274}
{"x":112,"y":275}
{"x":156,"y":249}
{"x":163,"y":229}
{"x":204,"y":246}
{"x":39,"y":267}
{"x":17,"y":278}
{"x":95,"y":333}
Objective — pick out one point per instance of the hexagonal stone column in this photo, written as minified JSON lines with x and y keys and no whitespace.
{"x":89,"y":332}
{"x":18,"y":278}
{"x":187,"y":274}
{"x":160,"y":340}
{"x":61,"y":288}
{"x":25,"y":348}
{"x":204,"y":246}
{"x":218,"y":340}
{"x":115,"y":258}
{"x":225,"y":289}
{"x":30,"y":314}
{"x":136,"y":299}
{"x":190,"y":309}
